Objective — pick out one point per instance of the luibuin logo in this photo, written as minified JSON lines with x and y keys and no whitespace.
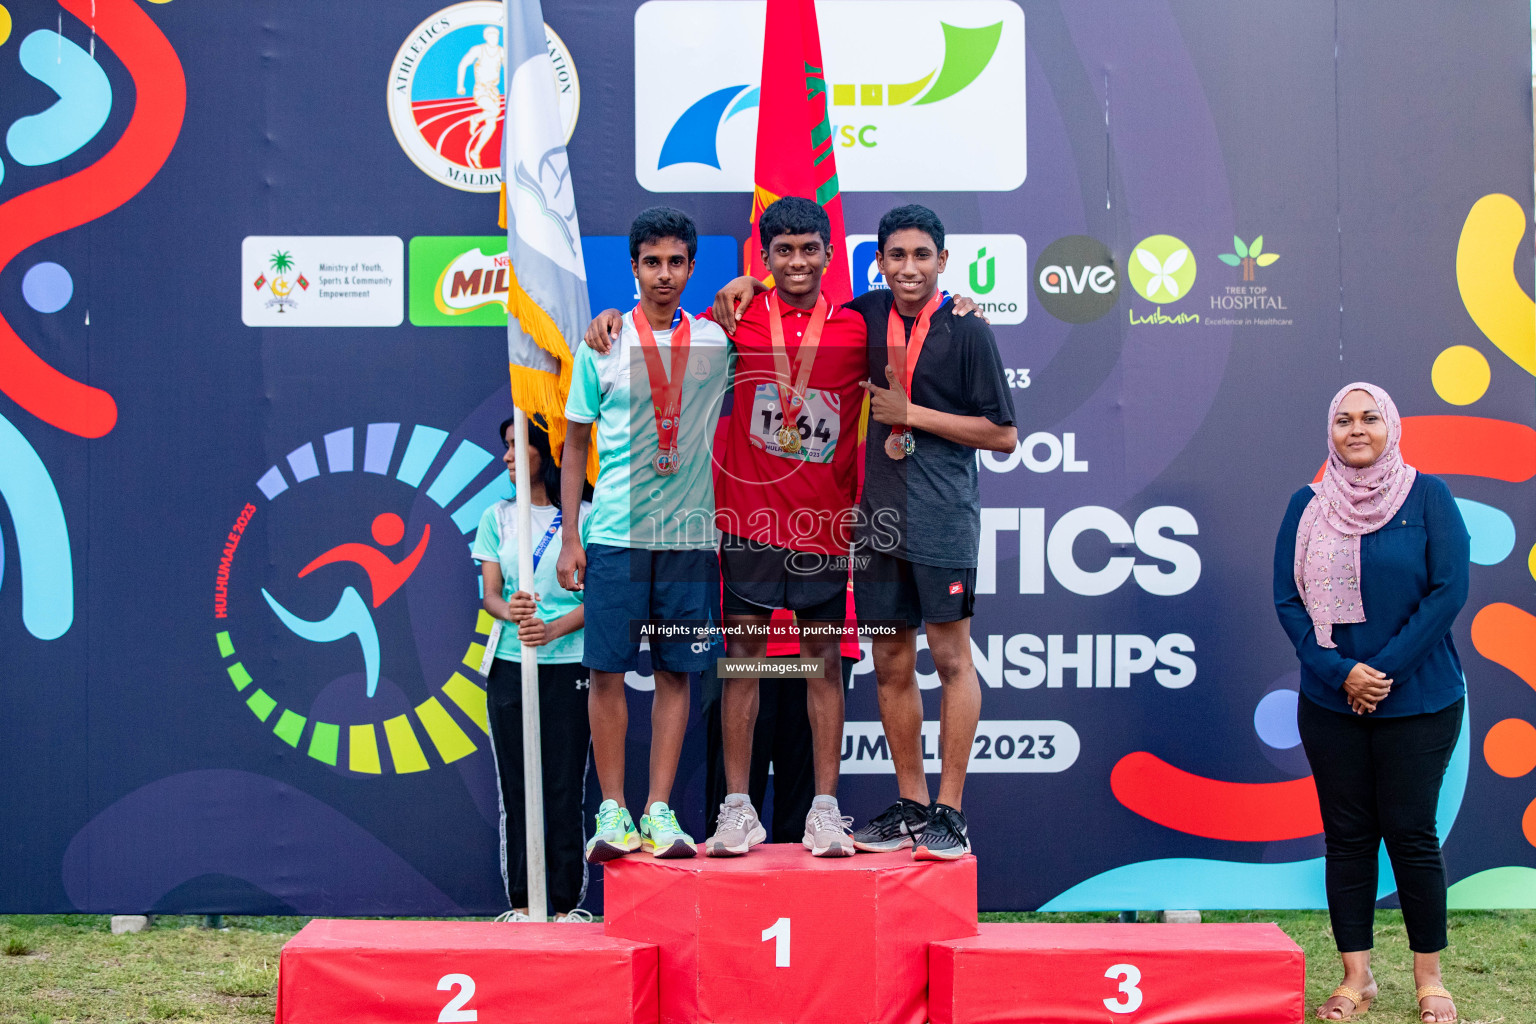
{"x":1248,"y":256}
{"x":967,"y":52}
{"x":1162,"y":269}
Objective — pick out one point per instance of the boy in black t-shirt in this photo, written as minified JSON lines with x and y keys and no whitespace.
{"x":937,"y":394}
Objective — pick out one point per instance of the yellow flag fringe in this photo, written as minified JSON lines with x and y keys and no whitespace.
{"x":535,"y":391}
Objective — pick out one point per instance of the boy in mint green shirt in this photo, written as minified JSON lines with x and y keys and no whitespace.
{"x":649,"y":565}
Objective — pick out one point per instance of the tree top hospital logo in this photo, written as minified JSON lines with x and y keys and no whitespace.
{"x":339,"y":637}
{"x":447,"y":94}
{"x":1162,"y":269}
{"x":898,"y":74}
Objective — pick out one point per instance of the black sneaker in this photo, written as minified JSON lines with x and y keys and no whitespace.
{"x":893,"y":828}
{"x":945,"y":837}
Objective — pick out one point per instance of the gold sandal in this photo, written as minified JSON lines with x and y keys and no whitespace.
{"x":1362,"y":1004}
{"x":1424,"y":991}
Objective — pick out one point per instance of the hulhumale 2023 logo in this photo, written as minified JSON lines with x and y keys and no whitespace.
{"x":1162,"y":271}
{"x":447,"y":93}
{"x":322,"y":638}
{"x":899,"y":74}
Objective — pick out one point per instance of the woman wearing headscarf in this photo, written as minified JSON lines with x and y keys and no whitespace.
{"x":1371,"y":569}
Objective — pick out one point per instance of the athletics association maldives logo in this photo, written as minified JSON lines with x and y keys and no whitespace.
{"x":447,"y":94}
{"x":339,"y":637}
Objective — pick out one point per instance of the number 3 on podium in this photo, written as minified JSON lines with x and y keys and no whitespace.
{"x":779,"y":933}
{"x":1130,"y":996}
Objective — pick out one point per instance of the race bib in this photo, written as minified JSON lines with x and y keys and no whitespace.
{"x":819,"y":422}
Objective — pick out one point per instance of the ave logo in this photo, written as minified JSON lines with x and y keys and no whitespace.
{"x":1076,"y":279}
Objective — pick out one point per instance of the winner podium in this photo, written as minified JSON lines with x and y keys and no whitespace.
{"x":780,"y":937}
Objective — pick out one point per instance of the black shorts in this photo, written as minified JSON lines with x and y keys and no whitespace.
{"x":759,"y":578}
{"x":892,"y":589}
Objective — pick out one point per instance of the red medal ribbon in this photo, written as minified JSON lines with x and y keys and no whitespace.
{"x":897,"y":346}
{"x":666,"y":388}
{"x":792,"y":393}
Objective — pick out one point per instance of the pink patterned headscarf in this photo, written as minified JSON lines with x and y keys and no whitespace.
{"x":1348,"y":502}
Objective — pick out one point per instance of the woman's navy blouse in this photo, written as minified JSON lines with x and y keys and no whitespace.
{"x":1413,"y":583}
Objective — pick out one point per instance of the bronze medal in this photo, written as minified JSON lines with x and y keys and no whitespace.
{"x":895,"y":447}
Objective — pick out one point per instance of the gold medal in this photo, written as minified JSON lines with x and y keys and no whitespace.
{"x":895,"y":447}
{"x":789,"y":439}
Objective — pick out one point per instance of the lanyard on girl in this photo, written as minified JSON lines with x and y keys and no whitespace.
{"x":901,"y":443}
{"x":792,"y":395}
{"x":549,"y":535}
{"x":666,"y":388}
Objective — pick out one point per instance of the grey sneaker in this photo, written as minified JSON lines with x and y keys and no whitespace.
{"x":894,"y":828}
{"x":737,"y":829}
{"x":826,"y":831}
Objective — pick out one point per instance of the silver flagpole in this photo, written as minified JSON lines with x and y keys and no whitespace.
{"x":533,"y":753}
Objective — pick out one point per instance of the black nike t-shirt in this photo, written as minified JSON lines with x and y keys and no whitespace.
{"x":926,"y":507}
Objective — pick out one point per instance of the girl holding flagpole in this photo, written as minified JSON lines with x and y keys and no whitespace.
{"x":550,"y":619}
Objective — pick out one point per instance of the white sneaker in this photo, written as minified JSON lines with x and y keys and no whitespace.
{"x":827,"y":830}
{"x":737,"y":829}
{"x":513,"y":916}
{"x":577,"y":916}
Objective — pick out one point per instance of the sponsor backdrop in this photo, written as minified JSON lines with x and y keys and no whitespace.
{"x":252,"y":364}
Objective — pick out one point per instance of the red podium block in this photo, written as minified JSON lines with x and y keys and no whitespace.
{"x":384,"y":972}
{"x":779,"y":935}
{"x":1139,"y":974}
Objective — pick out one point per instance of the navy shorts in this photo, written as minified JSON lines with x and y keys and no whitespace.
{"x":894,"y":590}
{"x":626,"y":588}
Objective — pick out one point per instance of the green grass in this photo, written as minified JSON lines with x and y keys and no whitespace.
{"x":70,"y":968}
{"x":1488,"y":967}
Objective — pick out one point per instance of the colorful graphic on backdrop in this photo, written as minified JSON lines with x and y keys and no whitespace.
{"x":379,"y":722}
{"x":45,"y":571}
{"x":447,"y":94}
{"x":1130,"y":131}
{"x":1453,"y":446}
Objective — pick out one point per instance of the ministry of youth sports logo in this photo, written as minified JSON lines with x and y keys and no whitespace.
{"x":348,"y":634}
{"x":447,"y":94}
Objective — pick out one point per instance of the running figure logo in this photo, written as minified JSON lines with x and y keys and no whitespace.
{"x":486,"y":60}
{"x":352,"y":616}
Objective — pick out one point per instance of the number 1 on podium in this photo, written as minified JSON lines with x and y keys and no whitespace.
{"x":779,"y":933}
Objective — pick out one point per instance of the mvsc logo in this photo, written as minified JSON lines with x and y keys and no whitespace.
{"x":1076,"y":279}
{"x":897,"y":74}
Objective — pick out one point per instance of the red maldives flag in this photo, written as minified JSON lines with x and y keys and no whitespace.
{"x":794,"y":135}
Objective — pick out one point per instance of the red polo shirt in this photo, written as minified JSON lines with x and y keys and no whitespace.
{"x":803,"y":501}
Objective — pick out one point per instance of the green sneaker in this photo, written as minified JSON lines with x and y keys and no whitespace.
{"x":615,"y":835}
{"x":661,"y":836}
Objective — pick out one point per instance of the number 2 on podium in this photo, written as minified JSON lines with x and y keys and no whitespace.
{"x":779,"y":933}
{"x":1129,"y":999}
{"x":455,"y":1011}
